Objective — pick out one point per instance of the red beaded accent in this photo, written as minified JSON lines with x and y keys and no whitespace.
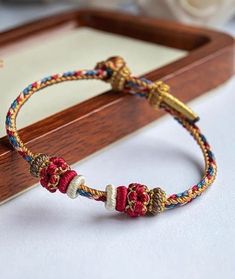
{"x":50,"y":175}
{"x":65,"y":179}
{"x":121,"y":198}
{"x":137,"y":200}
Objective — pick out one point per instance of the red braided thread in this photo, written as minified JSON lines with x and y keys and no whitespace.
{"x":50,"y":175}
{"x":65,"y":179}
{"x":121,"y":198}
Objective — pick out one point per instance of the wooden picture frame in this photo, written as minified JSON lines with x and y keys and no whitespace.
{"x":210,"y":62}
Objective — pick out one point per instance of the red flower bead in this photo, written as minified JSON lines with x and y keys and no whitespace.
{"x":137,"y":200}
{"x":132,"y":196}
{"x":50,"y":175}
{"x":139,"y":208}
{"x":131,"y":213}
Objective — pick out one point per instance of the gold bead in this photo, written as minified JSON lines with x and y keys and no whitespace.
{"x":157,"y":201}
{"x":39,"y":162}
{"x":120,"y":71}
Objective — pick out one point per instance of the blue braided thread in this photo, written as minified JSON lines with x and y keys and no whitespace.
{"x":25,"y":92}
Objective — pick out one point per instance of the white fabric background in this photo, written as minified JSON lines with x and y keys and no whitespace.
{"x":49,"y":236}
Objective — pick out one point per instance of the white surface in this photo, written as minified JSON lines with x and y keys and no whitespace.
{"x":50,"y":236}
{"x":80,"y":48}
{"x":47,"y":235}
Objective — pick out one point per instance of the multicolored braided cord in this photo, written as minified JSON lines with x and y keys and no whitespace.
{"x":136,"y":199}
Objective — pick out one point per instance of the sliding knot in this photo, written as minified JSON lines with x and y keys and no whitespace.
{"x":117,"y":71}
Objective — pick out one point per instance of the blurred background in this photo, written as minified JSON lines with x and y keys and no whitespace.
{"x":212,"y":13}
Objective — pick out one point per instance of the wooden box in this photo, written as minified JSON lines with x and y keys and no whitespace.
{"x":86,"y":127}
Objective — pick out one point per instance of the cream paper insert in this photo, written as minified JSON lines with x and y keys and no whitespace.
{"x":79,"y":48}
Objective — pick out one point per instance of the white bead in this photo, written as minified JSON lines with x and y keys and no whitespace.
{"x":111,"y":192}
{"x":74,"y":185}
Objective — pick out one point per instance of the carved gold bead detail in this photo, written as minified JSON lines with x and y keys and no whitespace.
{"x":120,"y":71}
{"x":39,"y":162}
{"x":157,"y":201}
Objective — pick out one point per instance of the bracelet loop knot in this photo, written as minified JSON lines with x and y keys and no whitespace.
{"x":118,"y":72}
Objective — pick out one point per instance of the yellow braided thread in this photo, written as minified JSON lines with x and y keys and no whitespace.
{"x":95,"y":193}
{"x":25,"y":99}
{"x":194,"y":194}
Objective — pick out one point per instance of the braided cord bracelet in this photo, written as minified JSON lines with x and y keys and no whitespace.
{"x":136,"y":199}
